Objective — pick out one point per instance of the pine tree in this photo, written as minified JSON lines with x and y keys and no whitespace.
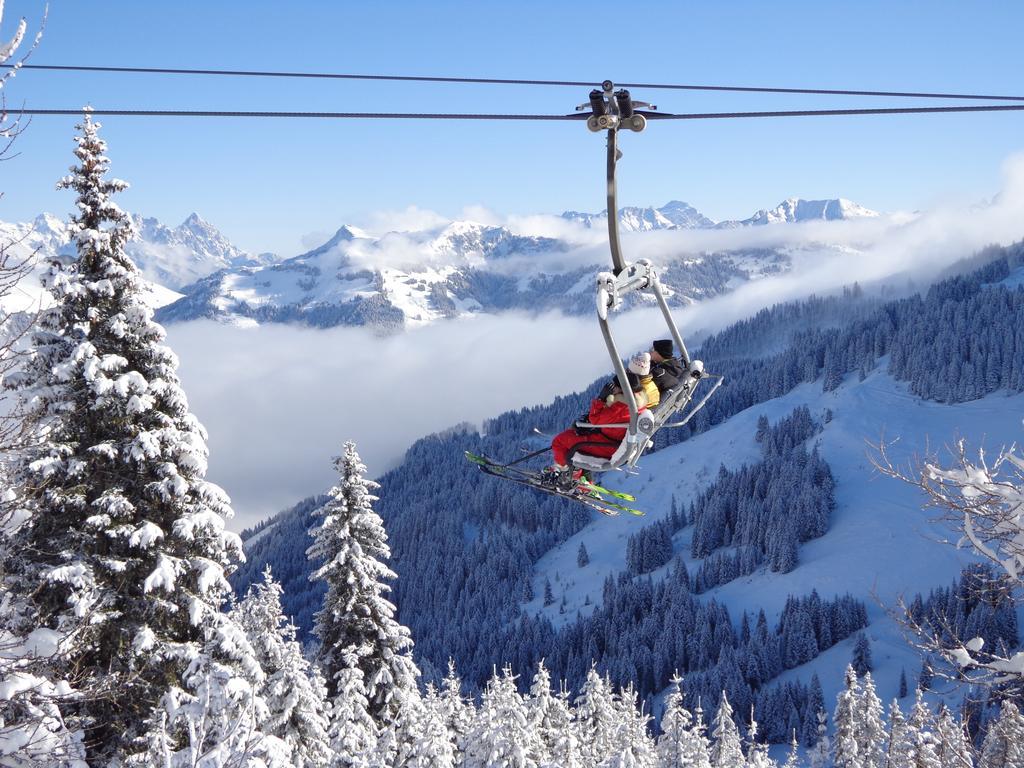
{"x":294,"y":692}
{"x":871,"y":733}
{"x":458,"y":712}
{"x":815,"y":705}
{"x":596,"y":716}
{"x":414,"y":736}
{"x":551,"y":720}
{"x":582,"y":556}
{"x":861,"y":661}
{"x":433,"y":747}
{"x":678,"y":745}
{"x":351,"y":548}
{"x":793,"y":756}
{"x":549,"y":596}
{"x":903,"y":684}
{"x":353,"y":733}
{"x":757,"y":753}
{"x":922,"y":737}
{"x":818,"y":755}
{"x":217,"y":718}
{"x":848,"y":723}
{"x":899,"y":751}
{"x":501,"y":735}
{"x":123,"y":550}
{"x":726,"y":750}
{"x":632,"y":746}
{"x":1004,"y":743}
{"x":952,"y":743}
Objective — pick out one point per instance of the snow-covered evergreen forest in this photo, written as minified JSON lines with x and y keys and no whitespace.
{"x":398,"y":622}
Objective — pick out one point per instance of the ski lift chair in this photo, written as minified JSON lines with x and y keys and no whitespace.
{"x":612,"y":110}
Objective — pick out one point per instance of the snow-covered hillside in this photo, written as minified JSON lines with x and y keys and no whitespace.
{"x":880,"y":541}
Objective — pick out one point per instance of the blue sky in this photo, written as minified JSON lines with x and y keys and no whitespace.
{"x":277,"y":185}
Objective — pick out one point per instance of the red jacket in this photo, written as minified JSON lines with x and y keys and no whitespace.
{"x":617,"y":412}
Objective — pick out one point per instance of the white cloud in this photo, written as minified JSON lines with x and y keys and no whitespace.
{"x":411,"y":219}
{"x":279,"y":401}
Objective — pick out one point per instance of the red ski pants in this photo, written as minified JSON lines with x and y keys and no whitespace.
{"x":567,"y":442}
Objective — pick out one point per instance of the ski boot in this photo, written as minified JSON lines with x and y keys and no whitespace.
{"x":554,"y":477}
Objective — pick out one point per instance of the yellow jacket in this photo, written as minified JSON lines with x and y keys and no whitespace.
{"x":651,"y":390}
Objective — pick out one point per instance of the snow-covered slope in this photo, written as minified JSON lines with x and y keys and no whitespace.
{"x":880,"y":542}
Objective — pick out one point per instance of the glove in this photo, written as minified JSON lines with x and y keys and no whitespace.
{"x":607,"y":390}
{"x":583,"y":430}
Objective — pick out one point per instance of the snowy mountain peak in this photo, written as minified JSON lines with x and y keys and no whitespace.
{"x":795,"y":209}
{"x":673,"y":215}
{"x":47,"y":224}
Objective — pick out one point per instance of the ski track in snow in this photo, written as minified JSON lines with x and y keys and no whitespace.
{"x":880,"y":543}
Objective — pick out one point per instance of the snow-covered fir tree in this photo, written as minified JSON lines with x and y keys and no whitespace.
{"x":582,"y":556}
{"x":871,"y":734}
{"x":632,"y":746}
{"x":1003,"y":746}
{"x":923,"y":743}
{"x":954,"y":746}
{"x":458,"y":712}
{"x":596,"y":717}
{"x":294,"y":691}
{"x":551,"y":720}
{"x":818,"y":755}
{"x":848,"y":720}
{"x":899,"y":745}
{"x":432,"y":746}
{"x":727,"y":749}
{"x":501,"y":735}
{"x":216,"y":718}
{"x":353,"y":733}
{"x":351,"y":547}
{"x":413,"y":736}
{"x":793,"y":756}
{"x":757,"y":752}
{"x":122,"y":549}
{"x":681,"y":744}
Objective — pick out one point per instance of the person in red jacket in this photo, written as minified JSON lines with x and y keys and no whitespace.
{"x":609,"y":407}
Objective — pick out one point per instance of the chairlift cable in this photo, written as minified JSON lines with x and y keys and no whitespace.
{"x":515,"y":117}
{"x":507,"y":81}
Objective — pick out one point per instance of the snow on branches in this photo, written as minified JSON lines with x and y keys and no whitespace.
{"x":984,"y":501}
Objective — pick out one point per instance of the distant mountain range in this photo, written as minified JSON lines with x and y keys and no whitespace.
{"x":400,"y":279}
{"x":679,"y":215}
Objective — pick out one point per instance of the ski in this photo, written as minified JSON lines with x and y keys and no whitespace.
{"x":532,"y":480}
{"x":588,"y":484}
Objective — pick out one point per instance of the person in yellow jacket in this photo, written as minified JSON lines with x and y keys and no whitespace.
{"x":640,"y":364}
